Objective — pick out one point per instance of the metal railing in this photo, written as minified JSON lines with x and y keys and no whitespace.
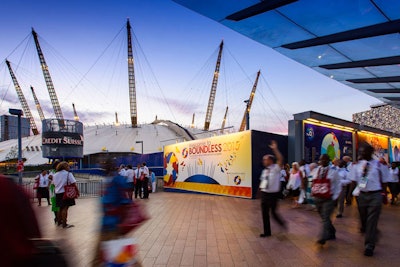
{"x":86,"y":188}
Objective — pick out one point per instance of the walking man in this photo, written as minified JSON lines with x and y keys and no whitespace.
{"x":270,"y":188}
{"x":144,"y":176}
{"x":325,"y":189}
{"x":371,"y":183}
{"x":138,"y":183}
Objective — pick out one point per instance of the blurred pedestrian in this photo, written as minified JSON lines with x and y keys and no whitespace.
{"x":394,"y":182}
{"x":295,"y":181}
{"x":138,"y":182}
{"x":325,"y":189}
{"x":60,"y":179}
{"x":130,"y":176}
{"x":371,"y":184}
{"x":345,"y":181}
{"x":153,"y":181}
{"x":271,"y":189}
{"x":43,"y":187}
{"x":144,"y":176}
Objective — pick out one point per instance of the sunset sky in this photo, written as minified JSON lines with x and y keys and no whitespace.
{"x":84,"y":43}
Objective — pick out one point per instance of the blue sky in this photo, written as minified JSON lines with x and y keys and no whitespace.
{"x":177,"y":45}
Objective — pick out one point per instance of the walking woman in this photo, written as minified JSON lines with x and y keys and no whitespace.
{"x":295,"y":180}
{"x":60,"y":179}
{"x":43,"y":187}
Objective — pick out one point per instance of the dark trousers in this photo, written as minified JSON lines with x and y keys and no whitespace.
{"x":269,"y":202}
{"x":349,"y":193}
{"x":394,"y":190}
{"x":369,"y":207}
{"x":325,"y":209}
{"x":145,"y":185}
{"x":138,"y":188}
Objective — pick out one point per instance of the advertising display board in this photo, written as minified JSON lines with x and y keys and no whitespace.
{"x":320,"y":140}
{"x":62,"y":139}
{"x":379,"y":143}
{"x":218,"y":165}
{"x":394,"y":151}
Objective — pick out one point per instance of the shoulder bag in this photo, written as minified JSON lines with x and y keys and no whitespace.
{"x":70,"y":190}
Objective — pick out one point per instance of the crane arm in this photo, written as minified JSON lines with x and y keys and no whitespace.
{"x":38,"y":106}
{"x":249,"y":103}
{"x":213,"y":91}
{"x":49,"y":81}
{"x":22,"y":99}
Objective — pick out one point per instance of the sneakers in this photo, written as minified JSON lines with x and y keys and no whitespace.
{"x":264,"y":235}
{"x":369,"y":252}
{"x":68,"y":225}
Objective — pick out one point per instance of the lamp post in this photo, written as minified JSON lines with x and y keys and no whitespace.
{"x":247,"y":114}
{"x":20,"y":165}
{"x":140,"y":142}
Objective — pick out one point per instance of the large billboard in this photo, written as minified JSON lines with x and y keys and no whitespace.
{"x":378,"y":142}
{"x":320,"y":140}
{"x":394,"y":152}
{"x":218,"y":165}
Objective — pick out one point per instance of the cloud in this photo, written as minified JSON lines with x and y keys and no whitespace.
{"x":179,"y":105}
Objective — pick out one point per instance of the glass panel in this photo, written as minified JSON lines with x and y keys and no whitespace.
{"x":314,"y":56}
{"x":323,"y":17}
{"x":384,"y":71}
{"x":391,"y":8}
{"x":345,"y":74}
{"x":216,"y":9}
{"x":374,"y":47}
{"x":269,"y":28}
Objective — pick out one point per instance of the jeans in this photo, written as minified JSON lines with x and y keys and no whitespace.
{"x":369,"y":207}
{"x":325,"y":209}
{"x":269,"y":203}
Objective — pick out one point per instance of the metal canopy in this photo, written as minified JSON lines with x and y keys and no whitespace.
{"x":354,"y":42}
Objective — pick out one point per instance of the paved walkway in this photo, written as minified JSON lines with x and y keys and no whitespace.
{"x":205,"y":230}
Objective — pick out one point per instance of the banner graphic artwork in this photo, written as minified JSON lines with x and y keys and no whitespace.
{"x":216,"y":165}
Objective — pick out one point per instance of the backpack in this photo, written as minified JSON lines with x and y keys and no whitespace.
{"x":321,"y":186}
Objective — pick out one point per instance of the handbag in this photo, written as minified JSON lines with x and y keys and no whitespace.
{"x":133,"y":215}
{"x":70,"y":190}
{"x":321,"y":186}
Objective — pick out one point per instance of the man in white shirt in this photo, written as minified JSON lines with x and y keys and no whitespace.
{"x":345,"y":181}
{"x":130,"y":175}
{"x":122,"y":170}
{"x":325,"y":189}
{"x":270,"y":188}
{"x":137,"y":181}
{"x":144,"y":176}
{"x":371,"y":183}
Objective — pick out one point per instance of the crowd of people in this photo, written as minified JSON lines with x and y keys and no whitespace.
{"x":141,"y":181}
{"x":329,"y":185}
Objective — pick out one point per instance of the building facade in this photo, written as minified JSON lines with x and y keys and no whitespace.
{"x":384,"y":117}
{"x":9,"y":127}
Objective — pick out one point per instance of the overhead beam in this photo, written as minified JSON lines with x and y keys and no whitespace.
{"x":385,"y":61}
{"x":360,"y":33}
{"x":391,"y":79}
{"x":259,"y":8}
{"x":384,"y":91}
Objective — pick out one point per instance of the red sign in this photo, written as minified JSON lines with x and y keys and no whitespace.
{"x":20,"y":166}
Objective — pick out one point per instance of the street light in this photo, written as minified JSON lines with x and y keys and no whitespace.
{"x":247,"y":114}
{"x":19,"y":113}
{"x":140,"y":142}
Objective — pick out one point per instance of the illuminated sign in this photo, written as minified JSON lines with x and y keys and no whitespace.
{"x":217,"y":165}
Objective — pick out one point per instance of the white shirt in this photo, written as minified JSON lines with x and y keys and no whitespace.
{"x":273,"y":175}
{"x":43,"y":180}
{"x":122,"y":172}
{"x":294,"y":181}
{"x":336,"y":185}
{"x":344,"y":176}
{"x":60,"y":180}
{"x":394,"y":175}
{"x":129,"y":175}
{"x":145,"y":170}
{"x":283,"y":176}
{"x":374,"y":170}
